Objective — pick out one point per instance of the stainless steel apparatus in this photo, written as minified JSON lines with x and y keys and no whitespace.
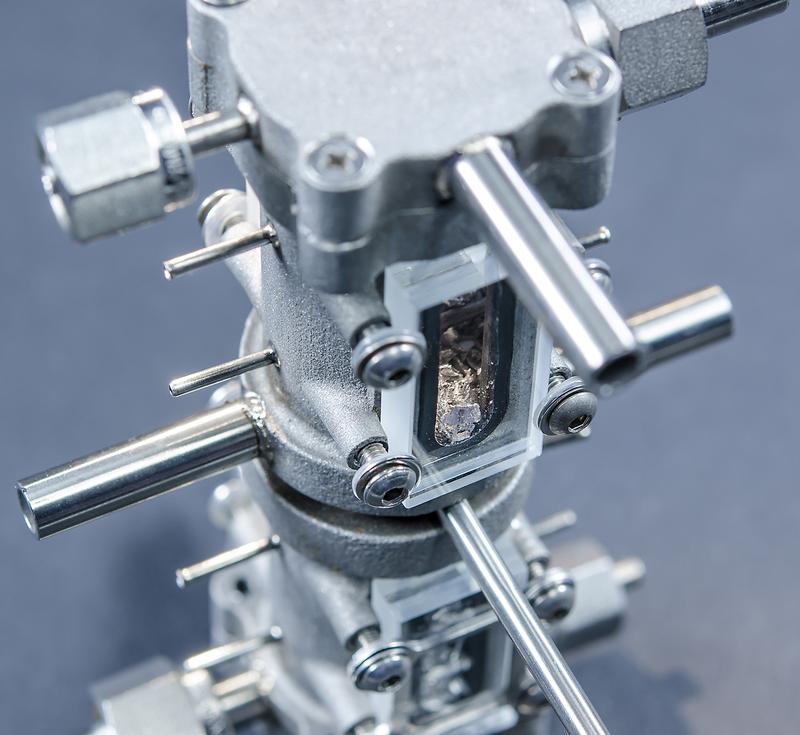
{"x":423,"y":326}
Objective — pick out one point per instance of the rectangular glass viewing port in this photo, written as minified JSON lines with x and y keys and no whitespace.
{"x":471,"y":412}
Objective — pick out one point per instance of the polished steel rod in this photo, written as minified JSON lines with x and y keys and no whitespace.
{"x":220,"y":373}
{"x":684,"y":324}
{"x":189,"y":262}
{"x":142,"y":468}
{"x":225,"y":560}
{"x":722,"y":16}
{"x":514,"y":611}
{"x":228,"y":652}
{"x":547,"y":274}
{"x":215,"y":130}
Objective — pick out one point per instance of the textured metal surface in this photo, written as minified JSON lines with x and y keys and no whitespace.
{"x":372,"y":546}
{"x":660,"y":46}
{"x":343,"y":91}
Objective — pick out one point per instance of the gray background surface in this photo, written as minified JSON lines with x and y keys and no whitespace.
{"x":693,"y":468}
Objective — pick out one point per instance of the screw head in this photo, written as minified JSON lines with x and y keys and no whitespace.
{"x":380,"y":669}
{"x":584,"y":75}
{"x":387,"y":481}
{"x":569,"y":408}
{"x":340,"y":161}
{"x":387,"y":358}
{"x":553,"y":595}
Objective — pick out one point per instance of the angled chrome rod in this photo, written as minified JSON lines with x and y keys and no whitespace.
{"x":514,"y":611}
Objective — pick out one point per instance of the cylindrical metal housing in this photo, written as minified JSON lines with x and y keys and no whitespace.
{"x":139,"y":469}
{"x":547,"y":274}
{"x":722,"y":16}
{"x":683,"y":325}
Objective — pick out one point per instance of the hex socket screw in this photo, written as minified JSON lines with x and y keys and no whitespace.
{"x":383,"y":480}
{"x":385,"y":358}
{"x":378,"y":667}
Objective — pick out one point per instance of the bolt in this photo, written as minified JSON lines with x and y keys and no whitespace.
{"x":387,"y":358}
{"x":569,"y":407}
{"x":382,"y":480}
{"x":601,"y":273}
{"x":552,"y":594}
{"x":340,"y":160}
{"x":585,"y":74}
{"x":375,"y":667}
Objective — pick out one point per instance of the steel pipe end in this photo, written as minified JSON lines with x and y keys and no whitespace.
{"x":27,"y":510}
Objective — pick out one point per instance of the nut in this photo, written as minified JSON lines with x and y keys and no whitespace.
{"x":113,"y":162}
{"x":660,"y":46}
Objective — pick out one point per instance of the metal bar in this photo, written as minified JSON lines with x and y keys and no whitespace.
{"x":142,"y":468}
{"x":183,"y":264}
{"x":515,"y":613}
{"x":228,"y":652}
{"x":548,"y":276}
{"x":722,"y":16}
{"x":556,"y":523}
{"x":682,"y":325}
{"x":215,"y":130}
{"x":225,"y":560}
{"x":220,"y":373}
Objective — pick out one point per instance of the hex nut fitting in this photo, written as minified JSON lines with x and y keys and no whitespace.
{"x":114,"y":162}
{"x":660,"y":46}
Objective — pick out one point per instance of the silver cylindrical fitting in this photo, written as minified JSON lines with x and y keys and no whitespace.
{"x":547,"y":274}
{"x":683,"y":325}
{"x":119,"y":160}
{"x":142,"y":468}
{"x":722,"y":16}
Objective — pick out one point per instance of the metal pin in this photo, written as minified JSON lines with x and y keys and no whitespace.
{"x":227,"y":652}
{"x":225,"y":560}
{"x":630,"y":572}
{"x":516,"y":615}
{"x":555,"y":523}
{"x":220,"y":373}
{"x":189,"y":262}
{"x":601,"y":237}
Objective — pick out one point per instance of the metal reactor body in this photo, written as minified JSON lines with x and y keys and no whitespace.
{"x":423,"y":324}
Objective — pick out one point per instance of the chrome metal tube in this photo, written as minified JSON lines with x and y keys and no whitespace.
{"x":548,"y":276}
{"x":183,"y":264}
{"x":220,"y":373}
{"x":139,"y":469}
{"x":722,"y":16}
{"x":514,"y":611}
{"x":682,"y":325}
{"x":225,"y":560}
{"x":215,"y":130}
